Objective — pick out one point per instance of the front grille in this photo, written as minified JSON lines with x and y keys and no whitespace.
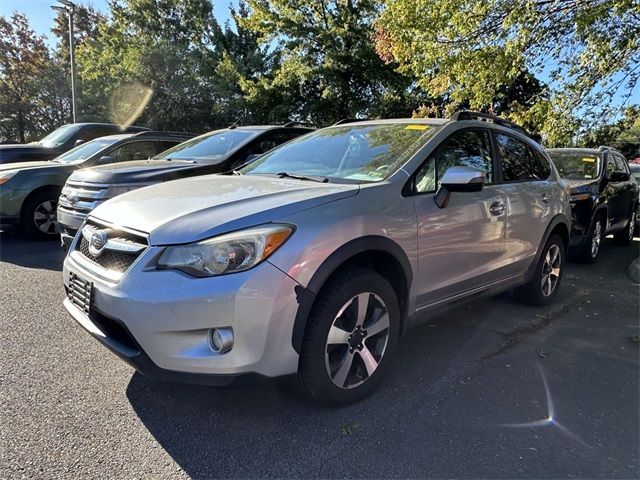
{"x":121,"y":249}
{"x":79,"y":292}
{"x":82,"y":197}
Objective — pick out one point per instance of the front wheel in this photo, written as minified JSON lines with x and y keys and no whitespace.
{"x":351,"y":333}
{"x":545,"y":282}
{"x":38,"y":218}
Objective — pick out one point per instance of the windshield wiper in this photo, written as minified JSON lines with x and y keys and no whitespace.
{"x":313,"y":178}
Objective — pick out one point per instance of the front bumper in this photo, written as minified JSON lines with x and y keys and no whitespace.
{"x":159,"y":321}
{"x":11,"y":203}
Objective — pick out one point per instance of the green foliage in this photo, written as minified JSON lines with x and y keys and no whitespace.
{"x":623,"y":134}
{"x":324,"y":63}
{"x":470,"y":49}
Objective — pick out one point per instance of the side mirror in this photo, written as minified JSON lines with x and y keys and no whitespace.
{"x":618,"y":176}
{"x":459,"y":179}
{"x":104,"y":160}
{"x":78,"y":142}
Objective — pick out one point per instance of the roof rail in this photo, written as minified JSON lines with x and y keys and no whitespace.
{"x":349,"y":120}
{"x":151,"y":133}
{"x":299,"y":124}
{"x":603,"y":148}
{"x":487,"y":117}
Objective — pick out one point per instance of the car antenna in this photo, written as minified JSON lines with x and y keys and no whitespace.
{"x":235,"y":124}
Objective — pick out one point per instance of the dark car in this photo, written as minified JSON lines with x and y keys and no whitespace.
{"x":29,"y":191}
{"x":635,"y":173}
{"x":604,"y":197}
{"x":60,"y":141}
{"x":214,"y":152}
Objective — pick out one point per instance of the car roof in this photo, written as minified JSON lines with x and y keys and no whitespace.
{"x":592,"y":151}
{"x":392,"y":121}
{"x":264,"y":128}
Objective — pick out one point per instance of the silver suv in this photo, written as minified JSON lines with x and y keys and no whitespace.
{"x":317,"y":257}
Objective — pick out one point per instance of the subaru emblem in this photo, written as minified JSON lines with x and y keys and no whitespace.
{"x":97,"y":242}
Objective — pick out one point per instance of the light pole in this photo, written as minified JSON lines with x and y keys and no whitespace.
{"x":70,"y":8}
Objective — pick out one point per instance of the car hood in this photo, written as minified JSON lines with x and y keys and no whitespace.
{"x":29,"y":165}
{"x":192,"y":209}
{"x":137,"y":171}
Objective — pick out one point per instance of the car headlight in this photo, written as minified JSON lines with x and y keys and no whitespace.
{"x":6,"y":176}
{"x":115,"y":190}
{"x":229,"y":253}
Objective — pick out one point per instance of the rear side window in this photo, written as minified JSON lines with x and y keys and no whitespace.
{"x":545,"y":168}
{"x":464,"y":148}
{"x":517,"y":160}
{"x":134,"y":151}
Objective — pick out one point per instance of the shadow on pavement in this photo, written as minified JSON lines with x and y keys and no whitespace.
{"x":454,"y":384}
{"x":17,"y":249}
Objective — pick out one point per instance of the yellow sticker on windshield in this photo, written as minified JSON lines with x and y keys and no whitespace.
{"x":416,"y":127}
{"x":588,"y":159}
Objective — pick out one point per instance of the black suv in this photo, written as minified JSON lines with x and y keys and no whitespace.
{"x":214,"y":152}
{"x":61,"y":140}
{"x":604,"y":197}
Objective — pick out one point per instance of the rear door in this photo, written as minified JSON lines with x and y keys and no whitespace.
{"x":461,"y":246}
{"x":524,"y":175}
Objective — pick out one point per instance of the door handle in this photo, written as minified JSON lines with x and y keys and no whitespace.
{"x":496,"y":208}
{"x":545,"y":197}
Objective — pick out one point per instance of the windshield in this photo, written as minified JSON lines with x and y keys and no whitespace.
{"x":576,"y":165}
{"x":82,"y":152}
{"x":368,"y":153}
{"x":59,"y":136}
{"x":211,"y":147}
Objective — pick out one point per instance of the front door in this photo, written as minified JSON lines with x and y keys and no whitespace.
{"x":460,"y":246}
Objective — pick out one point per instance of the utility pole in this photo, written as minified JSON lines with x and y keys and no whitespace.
{"x":70,"y":8}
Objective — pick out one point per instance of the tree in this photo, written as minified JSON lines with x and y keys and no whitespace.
{"x":164,"y":47}
{"x":469,"y":49}
{"x":623,"y":134}
{"x":324,"y":63}
{"x":23,"y":60}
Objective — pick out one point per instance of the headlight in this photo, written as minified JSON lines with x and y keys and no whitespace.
{"x":229,"y":253}
{"x":115,"y":190}
{"x":6,"y":176}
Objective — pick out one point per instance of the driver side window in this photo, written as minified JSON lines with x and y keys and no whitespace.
{"x":464,"y":148}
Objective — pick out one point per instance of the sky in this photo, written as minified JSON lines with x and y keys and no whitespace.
{"x":41,"y":17}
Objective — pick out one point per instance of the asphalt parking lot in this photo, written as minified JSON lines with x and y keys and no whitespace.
{"x":493,"y":389}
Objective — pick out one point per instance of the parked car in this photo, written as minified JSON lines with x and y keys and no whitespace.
{"x":318,"y":255}
{"x":60,"y":141}
{"x":29,"y":191}
{"x":214,"y":152}
{"x":604,"y":197}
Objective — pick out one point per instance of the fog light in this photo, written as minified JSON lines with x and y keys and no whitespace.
{"x":221,"y":339}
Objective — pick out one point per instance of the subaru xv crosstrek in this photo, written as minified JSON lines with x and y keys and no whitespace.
{"x":315,"y":259}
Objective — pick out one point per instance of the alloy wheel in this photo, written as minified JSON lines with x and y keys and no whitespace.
{"x":596,"y":239}
{"x":357,"y":340}
{"x":551,"y":270}
{"x":44,"y":217}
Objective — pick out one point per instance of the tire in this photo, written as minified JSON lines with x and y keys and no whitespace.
{"x":588,"y":252}
{"x":536,"y":291}
{"x":38,"y":216}
{"x":348,"y":370}
{"x":625,"y":237}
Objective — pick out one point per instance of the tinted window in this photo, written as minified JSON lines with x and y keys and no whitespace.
{"x":466,"y":148}
{"x":620,"y":164}
{"x":133,"y":151}
{"x":517,"y":160}
{"x":545,"y":168}
{"x":59,"y":136}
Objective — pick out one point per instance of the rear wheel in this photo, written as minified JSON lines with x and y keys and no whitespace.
{"x":546,"y":279}
{"x":625,"y":237}
{"x":38,"y":218}
{"x":351,"y":334}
